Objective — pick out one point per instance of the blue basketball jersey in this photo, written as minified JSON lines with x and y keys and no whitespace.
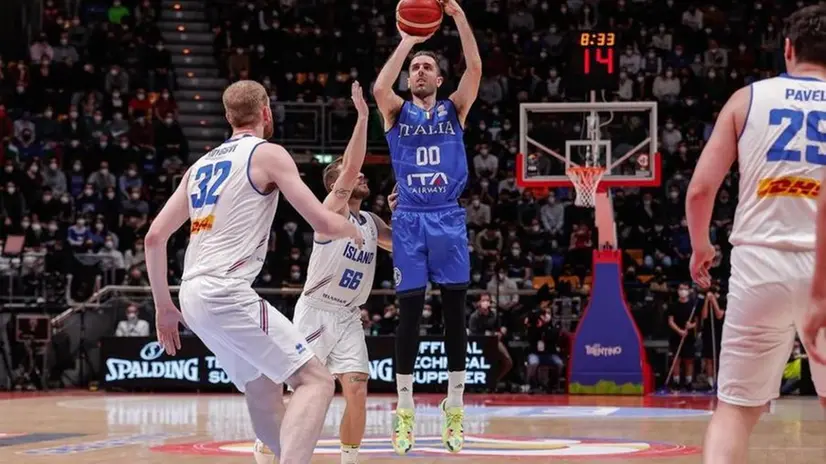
{"x":427,"y":151}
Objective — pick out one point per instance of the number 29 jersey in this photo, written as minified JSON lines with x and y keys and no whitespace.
{"x":782,"y":160}
{"x":427,"y":151}
{"x":340,"y":274}
{"x":230,"y":219}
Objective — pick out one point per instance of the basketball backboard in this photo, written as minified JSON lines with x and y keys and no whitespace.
{"x":618,"y":136}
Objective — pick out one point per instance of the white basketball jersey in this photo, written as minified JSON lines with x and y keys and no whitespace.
{"x":230,"y":218}
{"x":782,"y":159}
{"x":340,"y":274}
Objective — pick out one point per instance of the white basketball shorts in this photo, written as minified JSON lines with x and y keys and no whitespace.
{"x":247,"y":335}
{"x":335,"y":336}
{"x":768,"y":296}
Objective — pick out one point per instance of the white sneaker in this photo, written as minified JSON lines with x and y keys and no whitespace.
{"x":262,"y":453}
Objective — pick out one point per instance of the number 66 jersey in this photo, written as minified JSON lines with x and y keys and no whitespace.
{"x":230,"y":218}
{"x":782,"y":157}
{"x":340,"y":274}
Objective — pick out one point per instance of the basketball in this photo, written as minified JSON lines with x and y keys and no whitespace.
{"x":419,"y":17}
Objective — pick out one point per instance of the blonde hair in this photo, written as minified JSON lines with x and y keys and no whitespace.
{"x":243,"y":101}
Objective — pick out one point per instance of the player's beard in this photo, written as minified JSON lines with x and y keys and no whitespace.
{"x":361,"y":192}
{"x":423,"y":91}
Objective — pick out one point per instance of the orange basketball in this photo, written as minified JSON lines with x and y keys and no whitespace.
{"x":419,"y":17}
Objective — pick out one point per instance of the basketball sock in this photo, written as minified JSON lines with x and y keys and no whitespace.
{"x":455,"y":389}
{"x":676,"y":380}
{"x":453,"y":314}
{"x":411,"y":305}
{"x":349,"y":454}
{"x":404,"y":388}
{"x":688,"y":380}
{"x":711,"y":381}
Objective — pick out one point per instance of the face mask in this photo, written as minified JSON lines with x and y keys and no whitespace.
{"x":295,"y":275}
{"x":136,"y":196}
{"x":75,"y":143}
{"x":141,"y":96}
{"x":64,"y":200}
{"x":131,"y":316}
{"x":295,"y":256}
{"x":52,"y":227}
{"x":48,"y":114}
{"x":484,"y":304}
{"x":47,"y":198}
{"x":516,"y":251}
{"x":98,"y":119}
{"x":110,"y":245}
{"x":267,"y":278}
{"x":81,"y":222}
{"x":476,"y":203}
{"x":73,"y":114}
{"x":99,"y":226}
{"x":536,"y":228}
{"x":484,"y":185}
{"x":34,"y":169}
{"x":427,"y":314}
{"x":37,"y":227}
{"x":104,"y":171}
{"x":110,"y":195}
{"x":11,"y":190}
{"x":132,"y":173}
{"x":501,"y":276}
{"x":89,"y":192}
{"x":669,"y":126}
{"x":669,"y":75}
{"x":683,"y":293}
{"x":674,"y":195}
{"x":712,"y":75}
{"x":477,"y":277}
{"x":26,"y":224}
{"x":118,"y":117}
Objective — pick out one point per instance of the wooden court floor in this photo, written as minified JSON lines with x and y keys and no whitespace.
{"x":155,"y":429}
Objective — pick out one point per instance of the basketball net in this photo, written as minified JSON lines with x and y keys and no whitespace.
{"x":586,"y":180}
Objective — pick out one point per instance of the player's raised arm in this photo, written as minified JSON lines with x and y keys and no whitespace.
{"x":172,"y":216}
{"x":715,"y":161}
{"x":279,"y":167}
{"x":353,"y":158}
{"x":465,"y":94}
{"x":387,"y":100}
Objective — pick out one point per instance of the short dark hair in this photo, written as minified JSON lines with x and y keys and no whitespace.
{"x":806,"y":30}
{"x":431,"y":55}
{"x":331,"y":173}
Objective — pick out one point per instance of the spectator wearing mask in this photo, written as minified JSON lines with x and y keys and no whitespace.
{"x":54,"y":178}
{"x":102,"y":178}
{"x":485,"y":164}
{"x":87,"y":202}
{"x":112,"y":257}
{"x":478,"y":214}
{"x":78,"y":233}
{"x":130,"y":180}
{"x":544,"y":339}
{"x":484,"y":321}
{"x":505,"y":290}
{"x":682,"y":323}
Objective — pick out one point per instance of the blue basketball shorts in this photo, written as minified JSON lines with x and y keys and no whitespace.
{"x":430,"y":245}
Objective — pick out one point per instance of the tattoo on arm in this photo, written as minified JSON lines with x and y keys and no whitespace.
{"x":342,"y":193}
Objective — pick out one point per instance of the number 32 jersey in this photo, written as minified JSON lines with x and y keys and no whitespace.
{"x":427,"y":152}
{"x":230,"y":219}
{"x":340,"y":274}
{"x":782,"y":161}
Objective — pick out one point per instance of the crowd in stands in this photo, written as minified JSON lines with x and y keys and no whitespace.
{"x":91,"y":146}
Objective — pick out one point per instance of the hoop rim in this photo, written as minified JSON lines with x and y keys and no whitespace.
{"x":605,"y":184}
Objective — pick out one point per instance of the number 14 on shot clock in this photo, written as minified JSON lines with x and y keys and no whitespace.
{"x":594,"y":63}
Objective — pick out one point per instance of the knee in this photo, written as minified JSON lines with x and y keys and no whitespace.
{"x":354,"y":388}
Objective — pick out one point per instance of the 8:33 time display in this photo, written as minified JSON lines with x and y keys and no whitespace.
{"x":594,"y":63}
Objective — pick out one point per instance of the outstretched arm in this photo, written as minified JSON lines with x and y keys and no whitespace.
{"x":386,"y":99}
{"x":465,"y":94}
{"x":279,"y":168}
{"x":353,"y":158}
{"x":714,"y":164}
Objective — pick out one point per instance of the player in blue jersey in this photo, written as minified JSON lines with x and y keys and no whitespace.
{"x":430,"y":243}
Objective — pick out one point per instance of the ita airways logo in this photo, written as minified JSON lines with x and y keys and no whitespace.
{"x":480,"y":447}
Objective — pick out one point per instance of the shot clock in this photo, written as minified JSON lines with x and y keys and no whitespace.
{"x":594,"y":64}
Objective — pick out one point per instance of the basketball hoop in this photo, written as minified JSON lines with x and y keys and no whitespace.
{"x":585,"y":180}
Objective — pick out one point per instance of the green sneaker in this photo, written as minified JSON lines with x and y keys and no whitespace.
{"x":453,"y":435}
{"x":403,"y":422}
